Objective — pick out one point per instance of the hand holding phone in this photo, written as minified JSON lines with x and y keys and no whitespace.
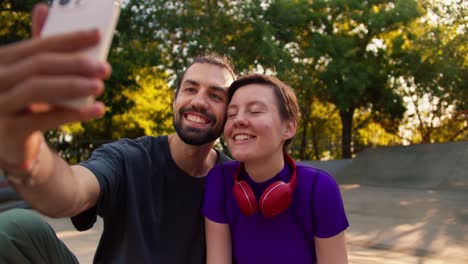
{"x":73,"y":15}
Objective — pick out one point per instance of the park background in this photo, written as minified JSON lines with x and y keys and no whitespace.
{"x":383,"y":94}
{"x":366,"y":73}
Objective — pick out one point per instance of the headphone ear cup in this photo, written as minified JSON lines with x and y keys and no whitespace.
{"x":276,"y":199}
{"x":245,"y":198}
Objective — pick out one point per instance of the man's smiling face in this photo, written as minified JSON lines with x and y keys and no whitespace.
{"x":200,"y":104}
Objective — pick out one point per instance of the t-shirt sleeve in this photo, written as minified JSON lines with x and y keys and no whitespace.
{"x":329,"y":211}
{"x":106,"y":163}
{"x":214,"y":204}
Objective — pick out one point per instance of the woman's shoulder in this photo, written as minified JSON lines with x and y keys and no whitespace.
{"x":312,"y":174}
{"x":318,"y":183}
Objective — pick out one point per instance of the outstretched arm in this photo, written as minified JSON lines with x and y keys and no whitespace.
{"x":218,"y":243}
{"x":35,"y":74}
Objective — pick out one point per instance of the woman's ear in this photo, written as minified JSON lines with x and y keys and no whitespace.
{"x":290,"y":129}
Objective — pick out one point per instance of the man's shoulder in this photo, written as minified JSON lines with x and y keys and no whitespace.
{"x":146,"y":140}
{"x":146,"y":147}
{"x":141,"y":142}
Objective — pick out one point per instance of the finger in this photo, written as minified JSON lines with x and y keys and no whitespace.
{"x":56,"y":118}
{"x":52,"y":64}
{"x":27,"y":125}
{"x":60,"y":116}
{"x":48,"y":90}
{"x":39,"y":16}
{"x":63,"y":43}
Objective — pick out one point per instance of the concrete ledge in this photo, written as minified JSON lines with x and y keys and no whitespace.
{"x":330,"y":166}
{"x":425,"y":166}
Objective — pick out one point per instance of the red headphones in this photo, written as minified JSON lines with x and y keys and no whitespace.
{"x":274,"y":200}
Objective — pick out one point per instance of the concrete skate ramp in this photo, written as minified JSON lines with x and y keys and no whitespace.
{"x":330,"y":166}
{"x":424,"y":166}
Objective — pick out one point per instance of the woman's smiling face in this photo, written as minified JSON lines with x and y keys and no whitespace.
{"x":254,"y":129}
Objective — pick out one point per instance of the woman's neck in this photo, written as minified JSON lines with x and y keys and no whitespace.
{"x":262,"y":170}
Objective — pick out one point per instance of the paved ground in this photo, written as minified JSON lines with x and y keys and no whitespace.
{"x":388,"y":225}
{"x":406,"y":225}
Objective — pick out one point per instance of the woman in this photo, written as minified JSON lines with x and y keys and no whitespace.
{"x":264,"y":208}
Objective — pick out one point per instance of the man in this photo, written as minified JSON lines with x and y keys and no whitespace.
{"x":148,"y":190}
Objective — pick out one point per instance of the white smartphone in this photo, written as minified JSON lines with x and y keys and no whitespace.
{"x":73,"y":15}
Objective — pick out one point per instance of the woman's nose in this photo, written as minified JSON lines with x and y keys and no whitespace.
{"x":240,"y":120}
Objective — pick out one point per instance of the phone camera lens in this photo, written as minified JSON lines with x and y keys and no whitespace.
{"x":64,"y":2}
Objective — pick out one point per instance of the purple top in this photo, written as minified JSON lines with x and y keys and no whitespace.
{"x":287,"y":238}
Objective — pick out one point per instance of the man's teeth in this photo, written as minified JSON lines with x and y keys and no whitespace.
{"x":242,"y":137}
{"x":196,"y":119}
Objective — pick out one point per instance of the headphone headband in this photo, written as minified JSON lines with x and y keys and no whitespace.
{"x":275,"y":199}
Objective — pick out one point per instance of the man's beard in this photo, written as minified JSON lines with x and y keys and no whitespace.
{"x":196,"y":136}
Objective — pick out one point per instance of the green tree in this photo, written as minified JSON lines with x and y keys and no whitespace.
{"x":151,"y":111}
{"x":15,"y":20}
{"x":336,"y":56}
{"x":358,"y":69}
{"x":433,"y":62}
{"x":348,"y":62}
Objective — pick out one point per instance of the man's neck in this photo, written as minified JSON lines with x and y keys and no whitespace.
{"x":196,"y":161}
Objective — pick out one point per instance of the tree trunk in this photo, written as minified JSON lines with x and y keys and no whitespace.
{"x":346,"y":132}
{"x":303,"y":146}
{"x":315,"y":144}
{"x":306,"y":112}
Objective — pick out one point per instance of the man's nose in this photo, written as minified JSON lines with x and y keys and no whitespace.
{"x":200,"y":101}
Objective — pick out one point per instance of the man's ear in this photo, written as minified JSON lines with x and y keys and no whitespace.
{"x":290,"y":129}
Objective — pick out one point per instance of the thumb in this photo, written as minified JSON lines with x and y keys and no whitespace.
{"x":32,"y":147}
{"x":39,"y":15}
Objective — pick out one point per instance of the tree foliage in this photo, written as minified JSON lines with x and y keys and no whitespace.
{"x":433,"y":64}
{"x":15,"y":20}
{"x":365,"y":72}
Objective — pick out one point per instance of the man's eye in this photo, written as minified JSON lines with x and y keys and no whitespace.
{"x":216,"y":97}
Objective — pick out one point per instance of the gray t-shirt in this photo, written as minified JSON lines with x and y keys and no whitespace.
{"x":150,"y":207}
